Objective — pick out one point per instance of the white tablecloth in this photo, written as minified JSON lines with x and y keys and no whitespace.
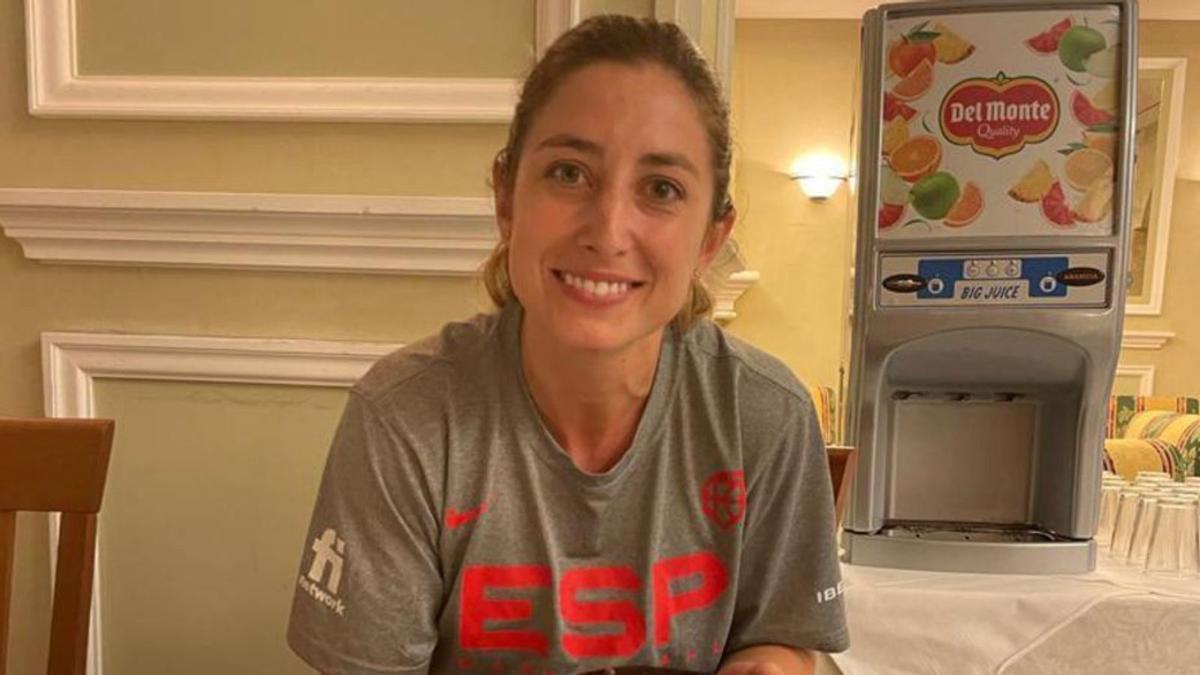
{"x":1114,"y":620}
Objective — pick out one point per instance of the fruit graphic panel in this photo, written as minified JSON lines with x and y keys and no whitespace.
{"x":1000,"y":124}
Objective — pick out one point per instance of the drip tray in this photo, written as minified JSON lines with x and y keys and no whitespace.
{"x":978,"y":532}
{"x":969,"y":547}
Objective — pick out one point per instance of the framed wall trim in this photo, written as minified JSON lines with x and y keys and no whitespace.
{"x":1169,"y":118}
{"x":56,"y":89}
{"x":71,"y":363}
{"x":1144,"y":374}
{"x":1145,"y":339}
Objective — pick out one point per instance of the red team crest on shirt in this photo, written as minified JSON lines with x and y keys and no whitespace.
{"x":723,"y":497}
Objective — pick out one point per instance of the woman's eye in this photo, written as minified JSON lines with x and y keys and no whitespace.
{"x":665,"y":190}
{"x":567,"y":174}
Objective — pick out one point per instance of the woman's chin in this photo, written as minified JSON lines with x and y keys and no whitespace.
{"x":600,"y":337}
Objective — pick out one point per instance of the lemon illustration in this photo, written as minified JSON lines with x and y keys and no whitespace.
{"x":933,"y":195}
{"x":1077,"y":44}
{"x":892,"y":188}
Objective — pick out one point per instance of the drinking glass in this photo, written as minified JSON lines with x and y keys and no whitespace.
{"x":1143,"y":527}
{"x":1175,"y":543}
{"x":1110,"y":495}
{"x":1127,"y":509}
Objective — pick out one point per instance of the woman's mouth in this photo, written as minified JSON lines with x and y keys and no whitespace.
{"x":596,"y":289}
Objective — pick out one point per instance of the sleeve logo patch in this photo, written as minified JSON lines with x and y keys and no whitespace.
{"x":330,"y":555}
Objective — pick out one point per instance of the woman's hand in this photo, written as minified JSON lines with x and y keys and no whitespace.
{"x":769,"y":660}
{"x":751,"y":668}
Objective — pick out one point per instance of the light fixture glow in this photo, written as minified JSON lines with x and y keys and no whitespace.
{"x":819,"y":174}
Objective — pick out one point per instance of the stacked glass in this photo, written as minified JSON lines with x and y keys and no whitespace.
{"x":1110,"y":495}
{"x":1153,"y":524}
{"x":1173,"y":548}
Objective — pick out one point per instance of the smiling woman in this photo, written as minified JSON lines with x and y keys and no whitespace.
{"x":596,"y":474}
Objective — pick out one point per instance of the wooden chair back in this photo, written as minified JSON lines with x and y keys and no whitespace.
{"x":55,"y":465}
{"x":843,"y":460}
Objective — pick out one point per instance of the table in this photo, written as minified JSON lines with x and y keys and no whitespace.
{"x":1113,"y":620}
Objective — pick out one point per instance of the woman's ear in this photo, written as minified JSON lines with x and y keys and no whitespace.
{"x":714,"y":238}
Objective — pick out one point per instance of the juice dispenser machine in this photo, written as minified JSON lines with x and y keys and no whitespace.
{"x":995,"y":166}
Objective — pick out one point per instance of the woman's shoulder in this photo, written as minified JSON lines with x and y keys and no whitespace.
{"x":731,"y":365}
{"x":438,"y":363}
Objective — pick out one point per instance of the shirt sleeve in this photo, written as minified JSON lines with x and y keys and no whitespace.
{"x":369,"y":587}
{"x":789,"y":589}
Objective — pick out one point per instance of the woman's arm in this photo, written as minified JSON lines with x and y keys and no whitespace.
{"x":769,"y":660}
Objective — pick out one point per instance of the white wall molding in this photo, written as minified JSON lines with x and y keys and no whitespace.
{"x":726,"y":279}
{"x":317,"y":233}
{"x":726,"y":295}
{"x":71,"y":362}
{"x":330,"y":233}
{"x":1145,"y":339}
{"x":56,"y":89}
{"x":1144,"y":374}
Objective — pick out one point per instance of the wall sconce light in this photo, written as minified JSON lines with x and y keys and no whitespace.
{"x":819,"y":175}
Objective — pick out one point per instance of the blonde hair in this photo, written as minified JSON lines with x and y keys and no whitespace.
{"x":620,"y":39}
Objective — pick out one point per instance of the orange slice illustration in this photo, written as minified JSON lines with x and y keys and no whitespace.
{"x":916,"y":157}
{"x":916,"y":83}
{"x":967,"y":208}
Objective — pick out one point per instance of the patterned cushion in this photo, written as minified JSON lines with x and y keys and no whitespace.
{"x":1128,"y":456}
{"x":1182,"y":431}
{"x":1148,"y":423}
{"x":1122,"y":408}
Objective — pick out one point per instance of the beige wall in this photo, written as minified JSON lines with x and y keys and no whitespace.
{"x":205,"y":528}
{"x":324,"y":38}
{"x":1178,"y":363}
{"x":792,"y":92}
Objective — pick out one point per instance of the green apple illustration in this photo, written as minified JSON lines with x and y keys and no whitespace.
{"x":933,"y":195}
{"x":1077,"y":44}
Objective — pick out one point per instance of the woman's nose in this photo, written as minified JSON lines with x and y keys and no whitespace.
{"x":607,"y":225}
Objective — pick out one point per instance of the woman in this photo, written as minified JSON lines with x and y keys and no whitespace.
{"x":594,"y":475}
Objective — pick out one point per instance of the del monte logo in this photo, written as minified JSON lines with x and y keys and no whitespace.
{"x":1000,"y":115}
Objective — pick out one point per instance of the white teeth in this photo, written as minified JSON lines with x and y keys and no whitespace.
{"x":600,"y":289}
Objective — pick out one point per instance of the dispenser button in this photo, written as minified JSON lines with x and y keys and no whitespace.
{"x":1048,"y":284}
{"x":993,"y":271}
{"x":936,"y":286}
{"x":1012,"y":270}
{"x":972,"y":270}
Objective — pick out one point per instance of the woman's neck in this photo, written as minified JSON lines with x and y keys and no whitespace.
{"x":590,"y":401}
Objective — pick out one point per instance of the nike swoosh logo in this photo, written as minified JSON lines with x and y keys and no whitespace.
{"x":456,"y":519}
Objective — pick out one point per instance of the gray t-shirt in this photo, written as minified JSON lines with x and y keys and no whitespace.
{"x":452,"y":534}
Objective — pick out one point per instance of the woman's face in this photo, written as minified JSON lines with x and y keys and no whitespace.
{"x":608,"y":219}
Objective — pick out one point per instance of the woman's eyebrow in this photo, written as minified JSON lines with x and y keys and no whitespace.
{"x":573,"y":142}
{"x":670,"y":159}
